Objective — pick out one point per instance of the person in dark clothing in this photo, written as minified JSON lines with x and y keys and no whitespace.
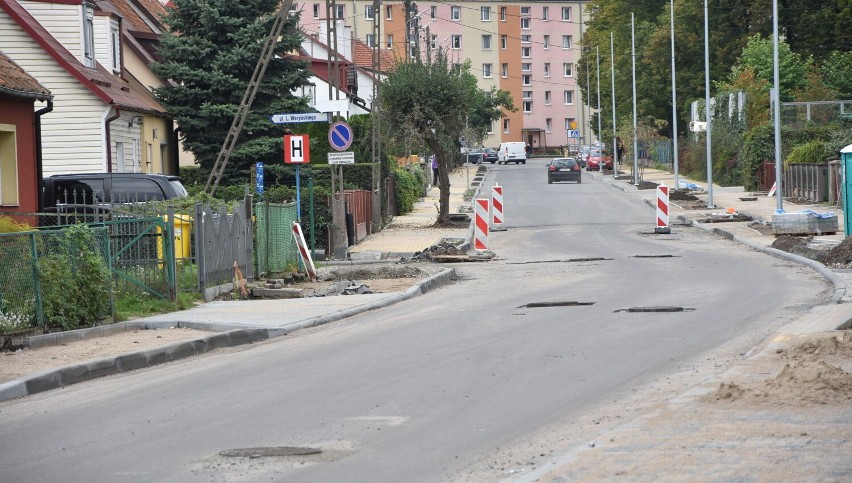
{"x":434,"y":170}
{"x":620,"y":149}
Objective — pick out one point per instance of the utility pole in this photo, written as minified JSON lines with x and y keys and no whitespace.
{"x":776,"y":110}
{"x":612,"y":83}
{"x":340,"y":242}
{"x":600,"y":110}
{"x":376,"y":122}
{"x":707,"y":107}
{"x":635,"y":141}
{"x":674,"y":106}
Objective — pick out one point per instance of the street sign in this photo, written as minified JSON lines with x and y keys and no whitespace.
{"x":258,"y":177}
{"x":347,"y":157}
{"x":573,"y":124}
{"x":299,"y":117}
{"x":573,"y":133}
{"x":297,"y":149}
{"x":340,"y":136}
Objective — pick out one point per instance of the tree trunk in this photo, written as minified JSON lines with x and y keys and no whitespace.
{"x":445,"y":165}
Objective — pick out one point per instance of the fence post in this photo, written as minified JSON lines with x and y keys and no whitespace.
{"x":169,"y":263}
{"x":39,"y":309}
{"x":200,"y":250}
{"x":249,"y":234}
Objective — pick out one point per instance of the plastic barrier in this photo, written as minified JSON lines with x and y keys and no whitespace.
{"x":480,"y":235}
{"x":662,"y":210}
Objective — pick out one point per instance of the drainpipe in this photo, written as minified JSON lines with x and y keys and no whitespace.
{"x":39,"y":168}
{"x":108,"y":140}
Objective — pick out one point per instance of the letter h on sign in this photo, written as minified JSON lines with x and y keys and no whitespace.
{"x":297,"y":149}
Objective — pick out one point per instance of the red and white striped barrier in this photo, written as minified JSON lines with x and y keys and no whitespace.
{"x":303,"y":251}
{"x":480,"y":233}
{"x":497,"y":208}
{"x":662,"y":210}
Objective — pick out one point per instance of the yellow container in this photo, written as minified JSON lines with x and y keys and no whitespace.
{"x":183,"y":234}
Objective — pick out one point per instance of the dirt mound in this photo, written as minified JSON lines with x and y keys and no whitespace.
{"x":647,"y":185}
{"x":682,"y":195}
{"x":368,"y":272}
{"x":841,"y":255}
{"x":839,"y":345}
{"x":797,"y":245}
{"x":443,"y":248}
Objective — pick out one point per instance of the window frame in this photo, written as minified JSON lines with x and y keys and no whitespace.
{"x":567,"y":41}
{"x":568,"y":97}
{"x":10,"y":190}
{"x":455,"y":13}
{"x":456,"y":41}
{"x":369,"y":13}
{"x":504,"y":70}
{"x":485,"y":13}
{"x":487,"y":70}
{"x":88,"y":33}
{"x":486,"y":42}
{"x":566,"y":13}
{"x":545,"y":13}
{"x":547,"y":69}
{"x":528,"y":51}
{"x":567,"y":69}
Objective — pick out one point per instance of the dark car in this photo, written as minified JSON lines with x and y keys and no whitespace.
{"x":489,"y":155}
{"x":474,"y":156}
{"x":564,"y":169}
{"x":97,"y":189}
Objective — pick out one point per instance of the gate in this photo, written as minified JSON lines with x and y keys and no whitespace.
{"x":221,"y":240}
{"x":142,"y":254}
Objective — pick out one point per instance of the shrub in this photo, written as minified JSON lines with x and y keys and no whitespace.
{"x":9,"y":225}
{"x":409,"y":187}
{"x":813,"y":152}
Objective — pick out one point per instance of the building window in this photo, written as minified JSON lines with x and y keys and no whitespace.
{"x":456,"y":42}
{"x":546,"y":98}
{"x":566,"y":14}
{"x":545,"y":13}
{"x":566,"y":41}
{"x":389,"y":12}
{"x":116,"y":49}
{"x":526,"y":79}
{"x":369,"y":14}
{"x":504,"y":41}
{"x":546,"y":41}
{"x":486,"y":42}
{"x":548,"y":125}
{"x":527,"y":95}
{"x":567,"y":69}
{"x":525,"y":11}
{"x":88,"y":36}
{"x":569,"y":121}
{"x":455,"y":13}
{"x":506,"y":126}
{"x":341,"y":11}
{"x":316,"y":10}
{"x":504,"y":70}
{"x":525,"y":23}
{"x":547,"y":69}
{"x":526,"y":52}
{"x":490,"y":128}
{"x":485,"y":14}
{"x":371,"y":40}
{"x":8,"y":166}
{"x":569,"y":97}
{"x":456,"y":69}
{"x":502,"y":14}
{"x":526,"y":67}
{"x":526,"y":39}
{"x":434,"y":41}
{"x":527,"y":106}
{"x":486,"y":71}
{"x":433,"y":11}
{"x":390,"y":41}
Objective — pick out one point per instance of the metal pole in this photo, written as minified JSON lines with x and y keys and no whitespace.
{"x":588,"y":108}
{"x":707,"y":107}
{"x":776,"y":110}
{"x":582,"y":109}
{"x":612,"y":83}
{"x":635,"y":141}
{"x":310,"y":215}
{"x":674,"y":107}
{"x":600,"y":111}
{"x":298,"y":195}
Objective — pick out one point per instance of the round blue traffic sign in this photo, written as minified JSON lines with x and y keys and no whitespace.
{"x":340,"y":136}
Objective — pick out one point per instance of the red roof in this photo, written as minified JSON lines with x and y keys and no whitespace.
{"x":109,"y":88}
{"x":15,"y":81}
{"x":363,"y":57}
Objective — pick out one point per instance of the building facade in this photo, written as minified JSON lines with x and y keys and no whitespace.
{"x":530,"y":49}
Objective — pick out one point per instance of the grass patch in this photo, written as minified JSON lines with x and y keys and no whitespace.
{"x":133,"y":305}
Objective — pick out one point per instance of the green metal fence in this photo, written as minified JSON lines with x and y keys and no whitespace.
{"x":275,"y":248}
{"x":57,"y":278}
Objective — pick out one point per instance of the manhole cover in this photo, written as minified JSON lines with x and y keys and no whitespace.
{"x":270,"y":451}
{"x":663,"y":308}
{"x":571,"y":303}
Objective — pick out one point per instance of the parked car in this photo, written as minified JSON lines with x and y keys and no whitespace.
{"x":598,"y":155}
{"x":514,"y":152}
{"x":489,"y":155}
{"x":564,"y":169}
{"x":97,"y":189}
{"x":474,"y":156}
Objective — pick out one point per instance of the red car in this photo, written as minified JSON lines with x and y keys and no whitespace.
{"x":598,"y":155}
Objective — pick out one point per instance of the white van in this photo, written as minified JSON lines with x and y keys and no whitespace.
{"x":512,"y":153}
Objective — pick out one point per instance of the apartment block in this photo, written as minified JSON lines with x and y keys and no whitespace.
{"x":530,"y":49}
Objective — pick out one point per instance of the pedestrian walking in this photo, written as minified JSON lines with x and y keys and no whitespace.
{"x":434,"y":170}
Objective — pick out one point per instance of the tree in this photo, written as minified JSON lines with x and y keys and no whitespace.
{"x":836,"y":72}
{"x":758,"y":55}
{"x":435,"y":100}
{"x":210,"y":53}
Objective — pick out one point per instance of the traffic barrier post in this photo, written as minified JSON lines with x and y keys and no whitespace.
{"x":662,"y":210}
{"x":480,"y":235}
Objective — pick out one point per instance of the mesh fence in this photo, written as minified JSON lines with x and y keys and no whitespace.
{"x":55,"y":278}
{"x":275,"y":248}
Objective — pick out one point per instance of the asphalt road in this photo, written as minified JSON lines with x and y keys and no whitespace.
{"x":428,"y":389}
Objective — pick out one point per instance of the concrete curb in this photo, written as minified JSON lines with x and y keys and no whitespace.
{"x":230,"y":335}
